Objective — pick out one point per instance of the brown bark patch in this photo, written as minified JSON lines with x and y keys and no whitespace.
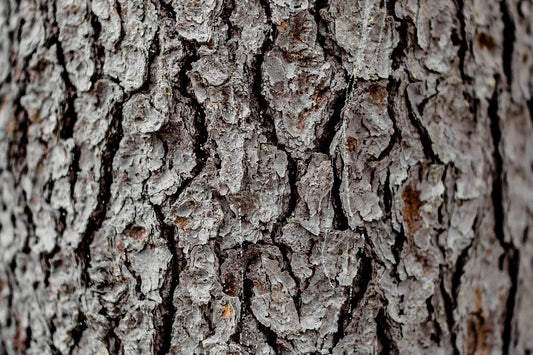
{"x":411,"y":210}
{"x":182,"y":222}
{"x":478,"y":332}
{"x":231,"y":286}
{"x":485,"y":41}
{"x":120,"y":245}
{"x":137,"y":233}
{"x":321,"y":93}
{"x":300,"y":27}
{"x":302,"y":120}
{"x":288,"y":57}
{"x":351,"y":144}
{"x":279,"y":90}
{"x":378,"y":93}
{"x":20,"y":340}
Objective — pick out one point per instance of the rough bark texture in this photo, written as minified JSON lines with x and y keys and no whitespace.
{"x":266,"y":177}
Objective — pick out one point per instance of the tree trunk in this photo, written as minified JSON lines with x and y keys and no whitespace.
{"x":266,"y":177}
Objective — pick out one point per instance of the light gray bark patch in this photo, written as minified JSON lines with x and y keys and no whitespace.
{"x":368,"y":52}
{"x":75,"y":33}
{"x":273,"y":291}
{"x":107,"y":12}
{"x":129,"y":62}
{"x":196,"y":215}
{"x":196,"y":20}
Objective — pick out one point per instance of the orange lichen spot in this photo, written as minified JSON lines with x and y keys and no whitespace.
{"x":378,"y":93}
{"x":351,"y":144}
{"x":228,"y":312}
{"x":485,"y":41}
{"x":182,"y":222}
{"x":283,"y":24}
{"x":411,"y":210}
{"x":137,"y":233}
{"x":478,"y":332}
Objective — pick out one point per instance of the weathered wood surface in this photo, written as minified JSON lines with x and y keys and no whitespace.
{"x":266,"y":177}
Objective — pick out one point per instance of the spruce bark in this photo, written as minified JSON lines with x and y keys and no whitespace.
{"x":266,"y":177}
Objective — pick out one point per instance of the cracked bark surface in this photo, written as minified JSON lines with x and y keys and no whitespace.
{"x":266,"y":177}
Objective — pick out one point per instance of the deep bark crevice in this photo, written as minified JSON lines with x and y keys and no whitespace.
{"x":229,"y":7}
{"x":340,"y":221}
{"x":69,"y":116}
{"x":463,"y":41}
{"x":459,"y":270}
{"x":398,"y":54}
{"x":423,"y":133}
{"x":511,"y":257}
{"x":436,"y":337}
{"x":449,"y":305}
{"x":330,"y":129}
{"x":356,"y":294}
{"x":509,"y":38}
{"x":392,"y":93}
{"x":383,"y":333}
{"x":263,"y":106}
{"x":333,"y":50}
{"x":166,"y":311}
{"x":201,"y":132}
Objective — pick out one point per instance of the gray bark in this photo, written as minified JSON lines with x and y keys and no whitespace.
{"x":266,"y":177}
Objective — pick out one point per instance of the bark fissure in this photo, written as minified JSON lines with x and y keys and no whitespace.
{"x":340,"y":221}
{"x":388,"y":345}
{"x":262,"y":103}
{"x":201,"y":132}
{"x":17,"y":144}
{"x":509,"y":38}
{"x":423,"y":133}
{"x":449,"y":305}
{"x":463,"y":42}
{"x":166,"y":311}
{"x":355,"y":296}
{"x":251,"y":255}
{"x":114,"y":136}
{"x":436,"y":337}
{"x":70,"y":115}
{"x":511,"y":257}
{"x":392,"y":90}
{"x":331,"y":127}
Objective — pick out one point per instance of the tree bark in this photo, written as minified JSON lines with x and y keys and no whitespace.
{"x":266,"y":177}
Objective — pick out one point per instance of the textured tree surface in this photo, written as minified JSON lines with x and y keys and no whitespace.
{"x":266,"y":177}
